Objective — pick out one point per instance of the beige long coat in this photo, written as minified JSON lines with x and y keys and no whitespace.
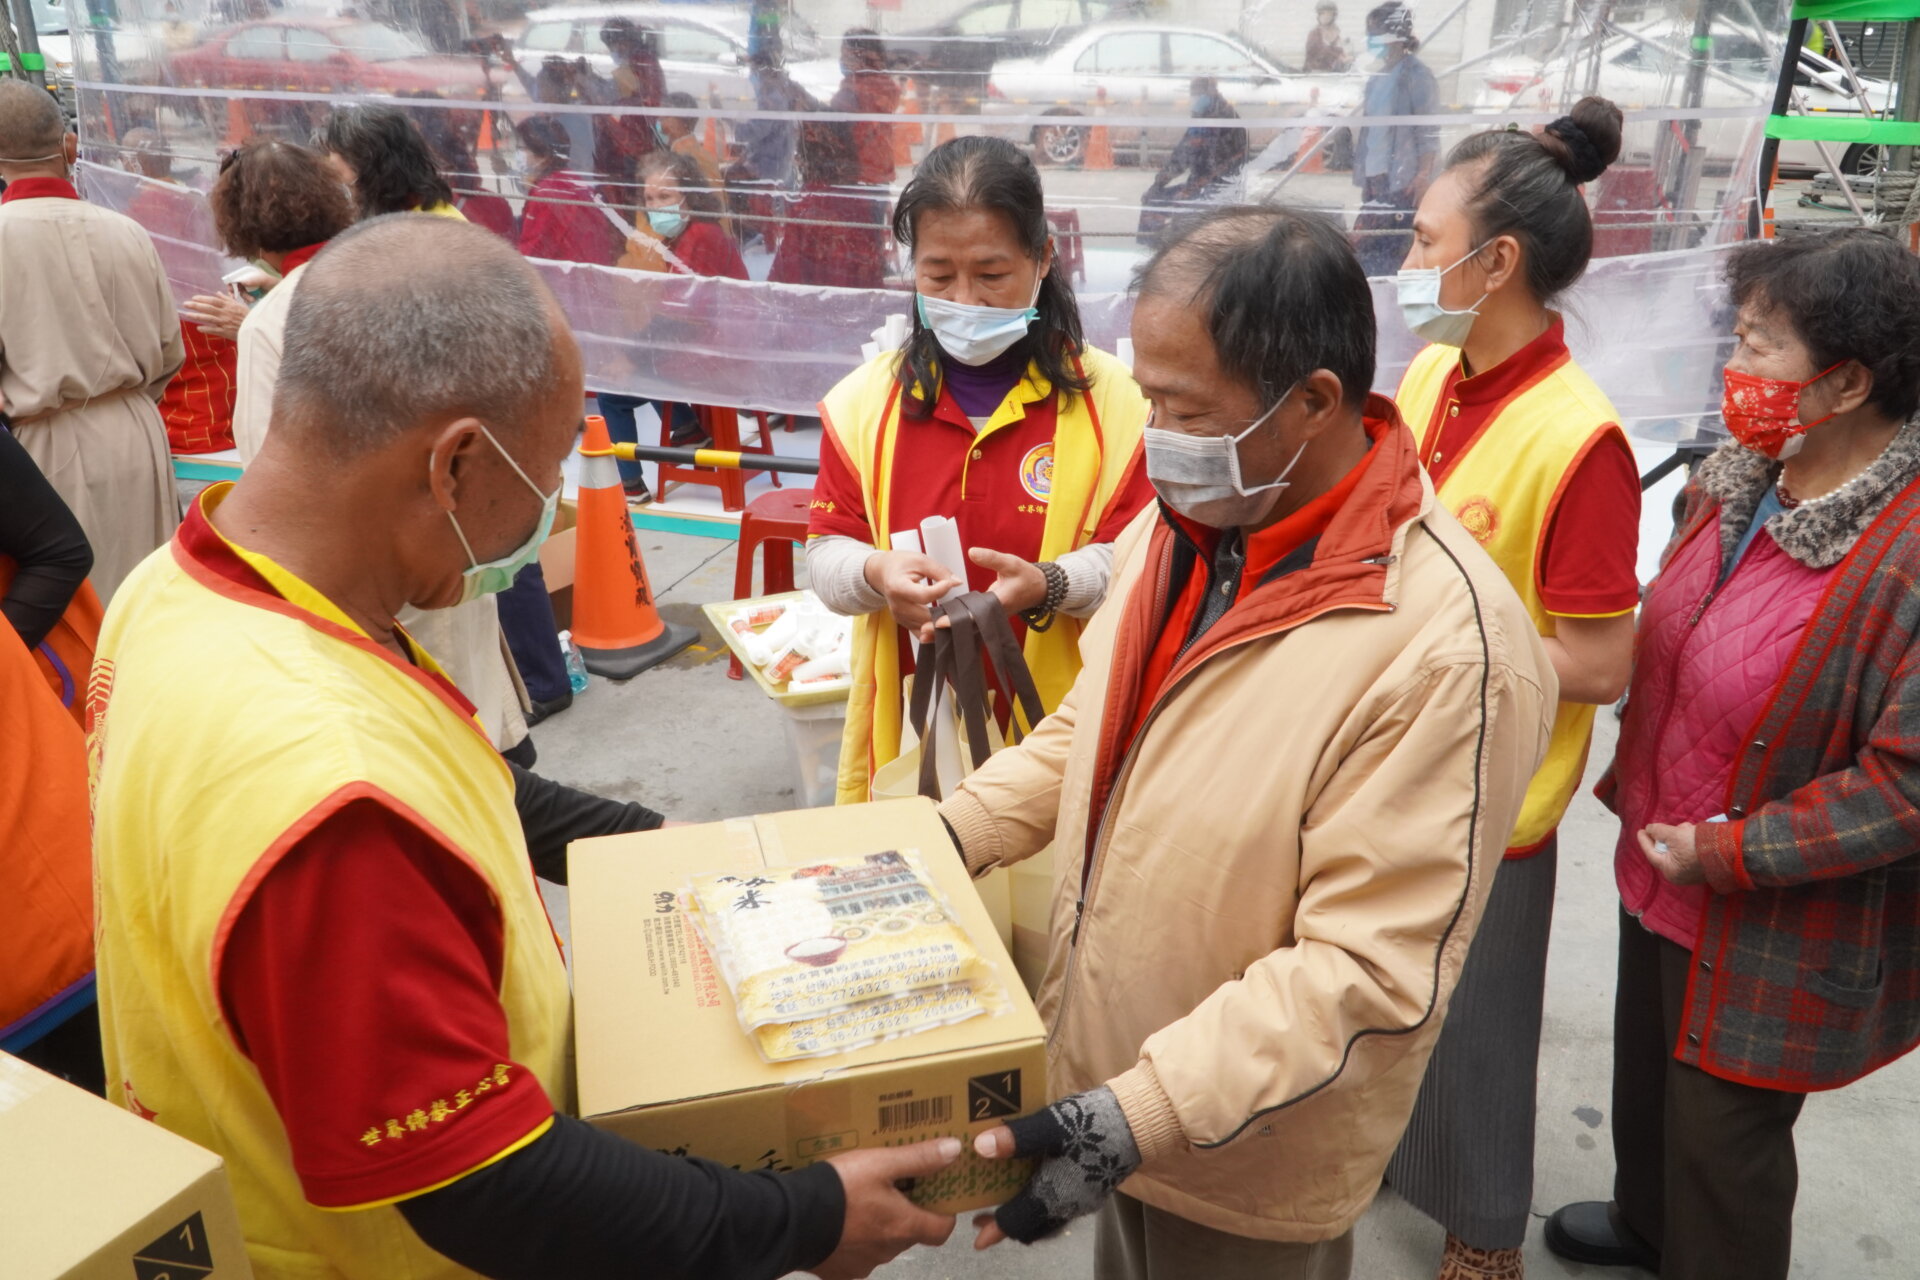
{"x":88,"y":340}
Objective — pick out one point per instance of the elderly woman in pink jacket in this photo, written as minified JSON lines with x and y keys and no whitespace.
{"x":1769,"y":852}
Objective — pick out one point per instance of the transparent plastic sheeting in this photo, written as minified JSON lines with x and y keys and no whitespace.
{"x":1137,"y":111}
{"x":1652,"y":329}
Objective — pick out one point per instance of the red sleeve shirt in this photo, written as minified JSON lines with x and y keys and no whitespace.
{"x":362,"y":979}
{"x":709,"y":251}
{"x":839,"y":507}
{"x":560,"y":223}
{"x":1589,"y":568}
{"x":484,"y":209}
{"x":1589,"y":562}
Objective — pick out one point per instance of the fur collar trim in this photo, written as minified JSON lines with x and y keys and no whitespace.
{"x":1818,"y":533}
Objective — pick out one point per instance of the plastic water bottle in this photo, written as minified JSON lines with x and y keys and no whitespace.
{"x":576,"y":665}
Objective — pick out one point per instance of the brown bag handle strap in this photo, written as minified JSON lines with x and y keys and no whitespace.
{"x":954,"y":663}
{"x":931,"y":671}
{"x":926,"y":676}
{"x":969,"y":678}
{"x":977,"y":633}
{"x":1009,"y":663}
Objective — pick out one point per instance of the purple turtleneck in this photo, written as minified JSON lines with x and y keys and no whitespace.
{"x":979,"y":389}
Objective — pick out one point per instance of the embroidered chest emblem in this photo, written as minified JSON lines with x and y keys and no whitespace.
{"x":1036,"y":472}
{"x":1480,"y":518}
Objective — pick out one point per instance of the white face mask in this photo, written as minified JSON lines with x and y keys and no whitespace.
{"x":1199,"y":476}
{"x":971,"y":334}
{"x":495,"y":576}
{"x":1419,"y":290}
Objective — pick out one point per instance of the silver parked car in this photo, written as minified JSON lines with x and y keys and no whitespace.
{"x":703,"y":48}
{"x":1645,"y":66}
{"x":1146,"y":69}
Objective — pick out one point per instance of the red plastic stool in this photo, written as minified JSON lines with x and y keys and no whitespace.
{"x":779,"y":521}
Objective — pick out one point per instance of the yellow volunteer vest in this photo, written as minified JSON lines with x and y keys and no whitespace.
{"x":1095,"y":437}
{"x":1503,"y":489}
{"x":225,"y":722}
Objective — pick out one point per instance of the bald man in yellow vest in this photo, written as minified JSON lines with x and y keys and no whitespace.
{"x":321,"y":949}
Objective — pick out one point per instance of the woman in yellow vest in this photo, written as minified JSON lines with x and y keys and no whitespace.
{"x":996,"y":414}
{"x":1527,"y":452}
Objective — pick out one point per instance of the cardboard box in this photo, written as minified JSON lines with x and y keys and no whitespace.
{"x":660,"y":1053}
{"x":556,"y":561}
{"x":91,"y":1192}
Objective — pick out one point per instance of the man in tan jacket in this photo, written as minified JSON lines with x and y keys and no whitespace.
{"x":1278,"y":792}
{"x":88,"y":341}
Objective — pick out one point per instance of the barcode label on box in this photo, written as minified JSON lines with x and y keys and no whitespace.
{"x":916,"y":1114}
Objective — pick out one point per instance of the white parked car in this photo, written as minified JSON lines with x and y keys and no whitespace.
{"x":1651,"y":71}
{"x":1146,"y":69}
{"x":703,"y":48}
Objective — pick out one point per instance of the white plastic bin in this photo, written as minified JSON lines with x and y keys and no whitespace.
{"x":814,"y":733}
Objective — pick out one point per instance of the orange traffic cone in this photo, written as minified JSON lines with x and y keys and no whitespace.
{"x":713,"y":126}
{"x":485,"y":142}
{"x":1099,"y":140}
{"x":239,"y":128}
{"x":1316,"y":161}
{"x":615,"y":622}
{"x":907,"y":136}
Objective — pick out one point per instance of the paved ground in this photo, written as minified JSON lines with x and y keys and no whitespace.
{"x":687,"y":740}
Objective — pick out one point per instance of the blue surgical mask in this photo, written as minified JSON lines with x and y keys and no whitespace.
{"x":974,"y":335}
{"x":1378,"y":46}
{"x":1419,"y":293}
{"x":667,"y":223}
{"x":495,"y":576}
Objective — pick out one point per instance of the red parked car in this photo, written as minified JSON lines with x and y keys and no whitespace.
{"x":324,"y":55}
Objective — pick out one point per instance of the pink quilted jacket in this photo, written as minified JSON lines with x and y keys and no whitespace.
{"x":1706,"y":665}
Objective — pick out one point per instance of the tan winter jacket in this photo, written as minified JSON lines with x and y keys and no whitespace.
{"x":1288,"y":863}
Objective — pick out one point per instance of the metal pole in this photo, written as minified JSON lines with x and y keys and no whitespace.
{"x":717,"y":459}
{"x":1676,"y":159}
{"x":1782,"y":94}
{"x":9,"y":42}
{"x":1839,"y":48}
{"x":30,"y":57}
{"x":1441,"y":25}
{"x":1908,"y":99}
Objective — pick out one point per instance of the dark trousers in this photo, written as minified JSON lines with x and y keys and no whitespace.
{"x":1703,"y":1168}
{"x":526,"y":616}
{"x":72,"y":1052}
{"x":618,"y":410}
{"x":1383,"y":229}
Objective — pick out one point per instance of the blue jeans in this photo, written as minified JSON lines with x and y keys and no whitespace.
{"x":526,"y":616}
{"x":618,"y":410}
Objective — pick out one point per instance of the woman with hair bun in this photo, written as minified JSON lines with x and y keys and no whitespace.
{"x":1528,"y":454}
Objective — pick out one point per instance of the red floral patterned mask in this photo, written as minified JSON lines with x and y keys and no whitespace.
{"x":1763,"y":414}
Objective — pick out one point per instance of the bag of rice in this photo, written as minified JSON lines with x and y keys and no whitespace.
{"x":843,"y":937}
{"x":870,"y":1022}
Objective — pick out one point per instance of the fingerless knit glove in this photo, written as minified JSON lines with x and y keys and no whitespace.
{"x":1086,"y":1149}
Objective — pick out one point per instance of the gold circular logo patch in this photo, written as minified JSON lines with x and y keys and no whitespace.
{"x":1480,"y":518}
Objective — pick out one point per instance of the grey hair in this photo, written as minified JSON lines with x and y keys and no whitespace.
{"x":31,"y":126}
{"x":1281,"y":291}
{"x":409,"y":320}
